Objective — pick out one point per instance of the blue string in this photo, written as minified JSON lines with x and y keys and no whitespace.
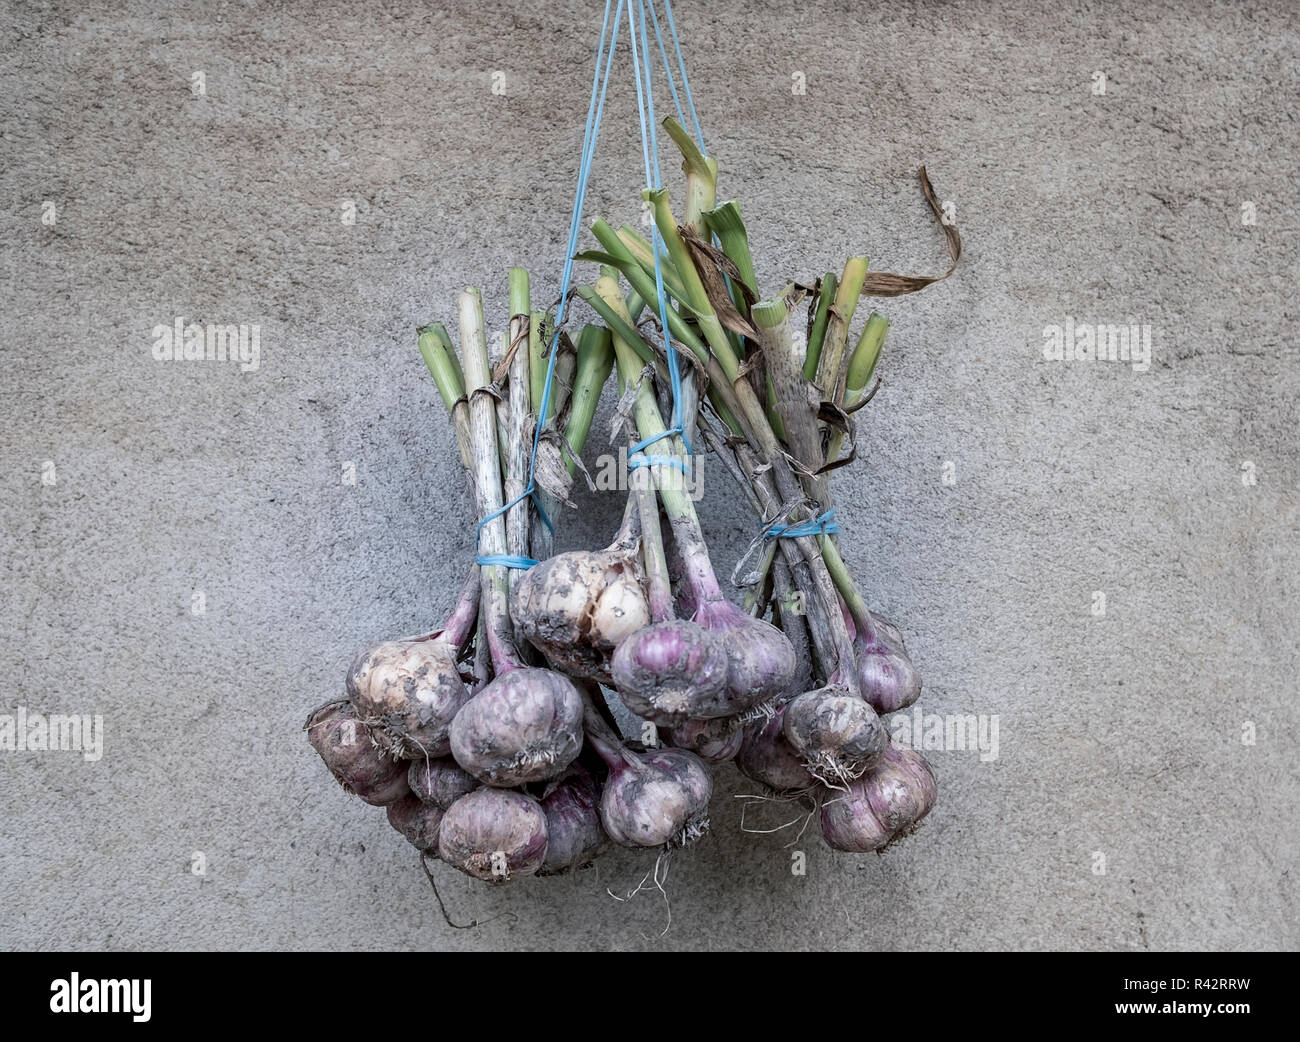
{"x":492,"y":558}
{"x":506,"y":560}
{"x":822,"y":525}
{"x":634,"y":449}
{"x":650,"y":155}
{"x":686,"y":83}
{"x":668,"y":69}
{"x":657,"y":461}
{"x":595,"y":109}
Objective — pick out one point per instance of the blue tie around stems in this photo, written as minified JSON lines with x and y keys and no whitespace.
{"x":506,"y":560}
{"x":653,"y":461}
{"x":656,"y":461}
{"x":824,"y":524}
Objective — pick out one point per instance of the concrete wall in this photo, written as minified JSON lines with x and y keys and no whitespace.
{"x":1172,"y":491}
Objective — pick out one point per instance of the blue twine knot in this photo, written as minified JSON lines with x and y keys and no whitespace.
{"x":821,"y":525}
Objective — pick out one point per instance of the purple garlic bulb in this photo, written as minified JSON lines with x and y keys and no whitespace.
{"x":760,"y":658}
{"x":838,"y":735}
{"x":881,"y":806}
{"x":768,"y":758}
{"x":349,"y":751}
{"x":524,"y":726}
{"x":417,"y":821}
{"x":574,"y":834}
{"x":654,"y":798}
{"x":673,"y":671}
{"x":494,"y":834}
{"x":713,"y":741}
{"x":440,"y":782}
{"x":889,"y":679}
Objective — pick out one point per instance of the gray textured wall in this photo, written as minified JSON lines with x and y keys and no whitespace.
{"x":1120,"y":735}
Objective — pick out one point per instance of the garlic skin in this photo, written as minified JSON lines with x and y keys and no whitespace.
{"x":440,"y":782}
{"x":524,"y":726}
{"x":417,"y":821}
{"x":768,"y":758}
{"x":407,"y":692}
{"x":658,"y":798}
{"x":839,"y":736}
{"x":672,"y":672}
{"x":349,"y":751}
{"x":887,"y":629}
{"x":713,"y":741}
{"x":494,"y":835}
{"x":882,"y":806}
{"x":621,"y":609}
{"x":574,"y":834}
{"x":576,"y":607}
